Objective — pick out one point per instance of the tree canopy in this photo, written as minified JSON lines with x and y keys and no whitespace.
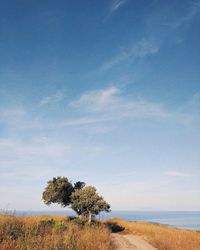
{"x":84,"y":200}
{"x":59,"y":191}
{"x":87,"y":202}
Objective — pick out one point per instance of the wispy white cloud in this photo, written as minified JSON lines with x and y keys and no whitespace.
{"x":18,"y":119}
{"x":178,"y":174}
{"x":96,"y":108}
{"x":113,"y":105}
{"x":140,"y":49}
{"x":41,"y":158}
{"x":96,"y":100}
{"x":15,"y":113}
{"x":57,"y":97}
{"x":80,"y":121}
{"x":113,"y":7}
{"x":15,"y":149}
{"x":116,"y":4}
{"x":192,"y":10}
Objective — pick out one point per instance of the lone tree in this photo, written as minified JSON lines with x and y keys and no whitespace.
{"x":84,"y":200}
{"x":87,"y":202}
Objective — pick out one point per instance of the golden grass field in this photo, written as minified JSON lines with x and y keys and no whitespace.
{"x":163,"y":238}
{"x":63,"y":233}
{"x":51,"y":233}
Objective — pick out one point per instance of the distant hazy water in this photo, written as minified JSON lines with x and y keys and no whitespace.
{"x":188,"y":220}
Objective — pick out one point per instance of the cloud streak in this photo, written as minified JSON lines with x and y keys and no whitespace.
{"x":174,"y":20}
{"x":17,"y":118}
{"x":97,"y":100}
{"x":177,"y":174}
{"x":111,"y":103}
{"x":138,"y":50}
{"x":81,"y":121}
{"x":98,"y":107}
{"x":117,"y":4}
{"x":57,"y":97}
{"x":114,"y":6}
{"x":193,"y":11}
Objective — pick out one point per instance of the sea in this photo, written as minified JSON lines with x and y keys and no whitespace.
{"x":179,"y":219}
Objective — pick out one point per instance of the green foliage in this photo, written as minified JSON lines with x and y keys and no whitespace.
{"x":79,"y":185}
{"x":79,"y":221}
{"x":87,"y":201}
{"x":84,"y":200}
{"x":59,"y":191}
{"x":60,"y":226}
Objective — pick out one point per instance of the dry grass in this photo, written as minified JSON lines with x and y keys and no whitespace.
{"x":52,"y":233}
{"x":61,"y":233}
{"x":163,"y":238}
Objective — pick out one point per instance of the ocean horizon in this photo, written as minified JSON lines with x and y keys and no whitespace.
{"x":179,"y":219}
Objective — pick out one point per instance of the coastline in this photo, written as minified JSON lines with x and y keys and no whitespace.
{"x":178,"y":219}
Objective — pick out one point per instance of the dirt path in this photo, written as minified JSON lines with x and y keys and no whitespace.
{"x":129,"y":242}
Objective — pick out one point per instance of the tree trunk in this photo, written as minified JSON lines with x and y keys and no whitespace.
{"x":89,"y":218}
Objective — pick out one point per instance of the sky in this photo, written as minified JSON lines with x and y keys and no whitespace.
{"x":106,"y":92}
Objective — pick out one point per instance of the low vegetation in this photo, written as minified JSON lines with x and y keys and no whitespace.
{"x":51,"y":233}
{"x":163,"y":238}
{"x":64,"y":233}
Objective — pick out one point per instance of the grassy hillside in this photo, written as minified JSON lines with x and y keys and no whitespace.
{"x":163,"y":238}
{"x":62,"y":233}
{"x":52,"y":233}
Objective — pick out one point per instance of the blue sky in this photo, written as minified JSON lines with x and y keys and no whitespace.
{"x":106,"y":92}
